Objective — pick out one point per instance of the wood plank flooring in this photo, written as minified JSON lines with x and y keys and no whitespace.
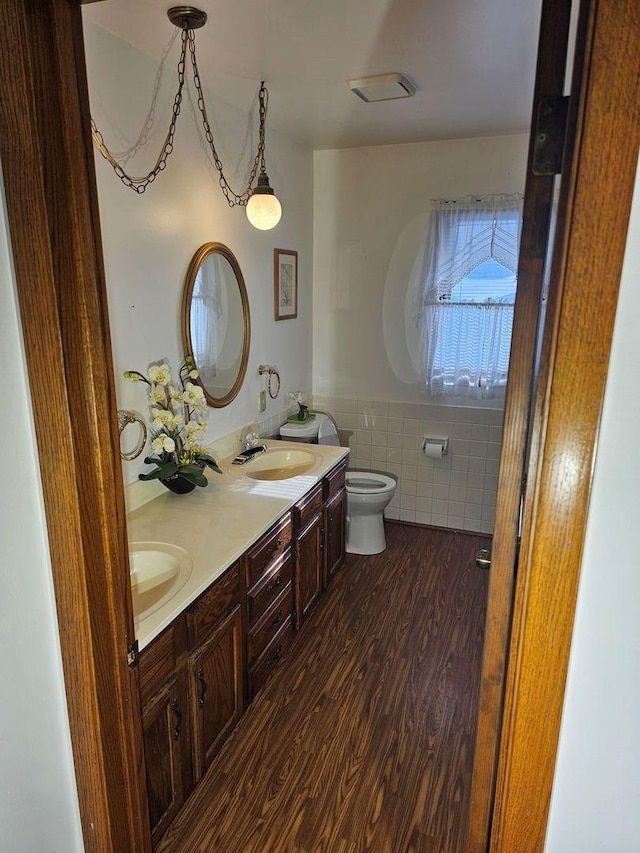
{"x":363,"y":738}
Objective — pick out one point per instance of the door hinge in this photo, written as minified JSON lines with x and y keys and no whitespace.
{"x":548,"y":140}
{"x":132,"y":655}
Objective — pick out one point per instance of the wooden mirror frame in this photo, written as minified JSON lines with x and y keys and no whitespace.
{"x":196,"y":262}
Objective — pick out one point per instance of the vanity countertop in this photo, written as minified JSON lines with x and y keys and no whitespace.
{"x":217,"y":524}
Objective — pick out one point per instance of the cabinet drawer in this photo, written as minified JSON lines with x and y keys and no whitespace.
{"x":334,"y":480}
{"x":213,"y":605}
{"x":267,"y":661}
{"x":265,"y":592}
{"x":272,"y":545}
{"x":160,"y":658}
{"x":270,"y":623}
{"x":306,"y":509}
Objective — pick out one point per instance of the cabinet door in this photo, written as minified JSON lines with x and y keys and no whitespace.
{"x":216,"y":676}
{"x":335,"y":517}
{"x":309,"y":548}
{"x":167,"y":753}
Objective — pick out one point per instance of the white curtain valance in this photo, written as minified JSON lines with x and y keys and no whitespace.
{"x":463,"y":234}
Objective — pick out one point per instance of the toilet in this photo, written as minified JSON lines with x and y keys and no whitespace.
{"x":368,"y":494}
{"x":367,"y":497}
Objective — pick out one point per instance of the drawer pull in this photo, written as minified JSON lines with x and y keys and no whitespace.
{"x":203,"y":687}
{"x":275,"y":621}
{"x":175,"y":707}
{"x":275,"y":657}
{"x":274,"y":584}
{"x":277,"y":546}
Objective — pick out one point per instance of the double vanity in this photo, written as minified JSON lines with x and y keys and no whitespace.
{"x":222,"y":580}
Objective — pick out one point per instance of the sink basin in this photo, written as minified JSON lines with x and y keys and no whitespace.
{"x":280,"y":464}
{"x":158,"y":571}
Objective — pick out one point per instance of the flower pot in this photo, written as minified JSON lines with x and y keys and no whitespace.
{"x":178,"y":484}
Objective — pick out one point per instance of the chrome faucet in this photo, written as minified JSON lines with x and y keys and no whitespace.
{"x":250,"y":440}
{"x":248,"y":453}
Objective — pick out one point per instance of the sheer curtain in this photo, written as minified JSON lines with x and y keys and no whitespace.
{"x":206,"y":314}
{"x":466,"y":344}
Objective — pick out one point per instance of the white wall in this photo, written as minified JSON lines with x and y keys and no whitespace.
{"x":594,"y":805}
{"x":150,"y":239}
{"x":38,"y":801}
{"x":370,"y":216}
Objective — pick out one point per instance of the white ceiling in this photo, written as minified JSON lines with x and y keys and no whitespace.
{"x":473,"y":62}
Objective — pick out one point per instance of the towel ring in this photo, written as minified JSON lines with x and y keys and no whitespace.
{"x":271,"y":371}
{"x":125,"y":418}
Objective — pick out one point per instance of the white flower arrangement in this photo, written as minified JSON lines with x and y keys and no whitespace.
{"x":178,"y":425}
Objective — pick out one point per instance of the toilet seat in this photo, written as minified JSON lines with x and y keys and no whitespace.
{"x":366,"y":483}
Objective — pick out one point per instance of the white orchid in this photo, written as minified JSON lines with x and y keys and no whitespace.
{"x":163,"y":443}
{"x":195,"y":429}
{"x":178,"y":425}
{"x":194,"y":396}
{"x":164,"y":419}
{"x":160,"y":417}
{"x":157,"y":394}
{"x":193,"y":434}
{"x":160,"y":374}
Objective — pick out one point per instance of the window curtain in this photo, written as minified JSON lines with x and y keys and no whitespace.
{"x":465,"y":345}
{"x":206,"y":315}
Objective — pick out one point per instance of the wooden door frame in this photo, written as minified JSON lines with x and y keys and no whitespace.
{"x":586,"y":270}
{"x":50,"y":190}
{"x":518,"y":734}
{"x":537,"y":215}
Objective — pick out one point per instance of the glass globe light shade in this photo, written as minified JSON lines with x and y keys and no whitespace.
{"x":264,"y":211}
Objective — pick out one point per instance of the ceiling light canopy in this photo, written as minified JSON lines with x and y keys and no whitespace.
{"x":383,"y":87}
{"x":263,"y":208}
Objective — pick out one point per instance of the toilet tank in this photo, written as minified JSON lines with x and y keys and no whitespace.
{"x":306,"y":432}
{"x":319,"y":430}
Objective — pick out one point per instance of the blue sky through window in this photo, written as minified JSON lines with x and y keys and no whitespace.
{"x":489,"y":280}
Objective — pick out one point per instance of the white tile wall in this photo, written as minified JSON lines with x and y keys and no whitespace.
{"x":269,"y":425}
{"x":457,"y":491}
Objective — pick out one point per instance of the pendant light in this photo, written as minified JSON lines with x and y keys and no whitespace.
{"x":263,"y":208}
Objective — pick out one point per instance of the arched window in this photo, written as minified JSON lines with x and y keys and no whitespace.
{"x":469,"y":287}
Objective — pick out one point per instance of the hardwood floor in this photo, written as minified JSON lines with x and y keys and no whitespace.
{"x":363,"y":738}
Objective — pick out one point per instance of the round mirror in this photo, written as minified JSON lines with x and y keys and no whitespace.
{"x":215,"y":322}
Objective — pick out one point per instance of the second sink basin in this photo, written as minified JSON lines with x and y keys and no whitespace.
{"x":158,"y":571}
{"x":280,"y":464}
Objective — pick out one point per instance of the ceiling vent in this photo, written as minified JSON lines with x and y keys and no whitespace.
{"x":383,"y":87}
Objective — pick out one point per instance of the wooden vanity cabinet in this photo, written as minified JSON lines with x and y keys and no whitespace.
{"x":216,"y":666}
{"x":335,"y":518}
{"x":216,"y":688}
{"x":270,"y":601}
{"x":167,"y":759}
{"x":195,"y":676}
{"x":166,"y":726}
{"x":309,"y":546}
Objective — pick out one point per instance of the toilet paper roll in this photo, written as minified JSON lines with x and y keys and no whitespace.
{"x":434,"y":451}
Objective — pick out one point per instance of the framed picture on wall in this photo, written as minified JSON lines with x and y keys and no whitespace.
{"x":285,"y":284}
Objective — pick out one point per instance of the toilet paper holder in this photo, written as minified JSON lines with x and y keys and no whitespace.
{"x":442,"y":440}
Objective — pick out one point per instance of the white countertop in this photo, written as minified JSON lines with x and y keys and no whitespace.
{"x":217,"y":524}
